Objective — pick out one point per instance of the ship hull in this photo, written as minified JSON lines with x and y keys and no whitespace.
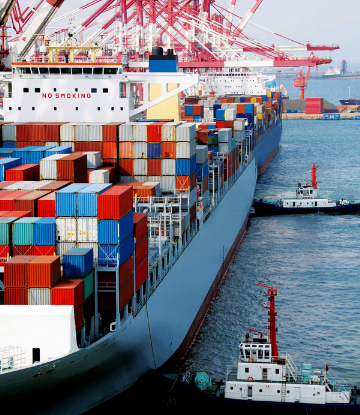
{"x":161,"y":332}
{"x":268,"y":147}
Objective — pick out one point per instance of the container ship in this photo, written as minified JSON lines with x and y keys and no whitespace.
{"x":121,"y":230}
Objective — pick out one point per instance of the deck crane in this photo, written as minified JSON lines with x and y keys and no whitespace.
{"x":302,"y":81}
{"x":41,"y":18}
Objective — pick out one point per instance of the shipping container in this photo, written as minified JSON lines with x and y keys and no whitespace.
{"x":168,"y":167}
{"x":56,"y":185}
{"x":154,"y":150}
{"x":68,"y":292}
{"x":140,"y":227}
{"x":110,"y":254}
{"x":58,"y":150}
{"x":29,"y":202}
{"x":99,"y":177}
{"x":23,"y":231}
{"x":109,"y":150}
{"x":62,"y":247}
{"x":184,"y":167}
{"x":141,"y":250}
{"x":107,"y":280}
{"x":16,"y":271}
{"x":126,"y":167}
{"x":6,"y":164}
{"x":186,"y":183}
{"x":44,"y":271}
{"x":154,"y":131}
{"x":39,"y":296}
{"x":77,"y":262}
{"x":142,"y":273}
{"x":115,"y":202}
{"x":185,"y":149}
{"x":44,"y":250}
{"x":168,"y":150}
{"x":201,"y":154}
{"x":6,"y":230}
{"x":87,"y":229}
{"x":91,"y":245}
{"x":140,"y":167}
{"x":15,"y":296}
{"x":46,"y":206}
{"x":154,"y":167}
{"x":114,"y":232}
{"x":25,"y":172}
{"x":48,"y":166}
{"x":65,"y":229}
{"x":66,"y":199}
{"x":79,"y":318}
{"x":21,"y":250}
{"x":186,"y":132}
{"x":87,"y":199}
{"x":126,"y":150}
{"x":44,"y":231}
{"x":168,"y":131}
{"x":88,"y":285}
{"x":71,"y":167}
{"x":4,"y":254}
{"x":111,"y":132}
{"x":107,"y":300}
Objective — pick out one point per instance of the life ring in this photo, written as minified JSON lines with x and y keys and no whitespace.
{"x":250,"y":379}
{"x":251,"y":360}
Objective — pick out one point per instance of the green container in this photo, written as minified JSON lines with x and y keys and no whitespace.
{"x":5,"y":230}
{"x":88,"y":284}
{"x":23,"y":231}
{"x":212,"y":140}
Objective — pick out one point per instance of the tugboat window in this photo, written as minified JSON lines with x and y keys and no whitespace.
{"x":98,"y":71}
{"x":65,"y":71}
{"x":87,"y":71}
{"x":109,"y":71}
{"x":77,"y":71}
{"x":35,"y":71}
{"x":54,"y":71}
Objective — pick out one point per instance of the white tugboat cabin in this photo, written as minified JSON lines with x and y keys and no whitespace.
{"x":263,"y":374}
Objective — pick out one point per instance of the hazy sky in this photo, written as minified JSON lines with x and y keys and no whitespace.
{"x":318,"y":21}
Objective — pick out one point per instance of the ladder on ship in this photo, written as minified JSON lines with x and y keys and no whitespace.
{"x":283,"y":383}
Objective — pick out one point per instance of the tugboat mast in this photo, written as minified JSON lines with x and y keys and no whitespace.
{"x":272,"y":293}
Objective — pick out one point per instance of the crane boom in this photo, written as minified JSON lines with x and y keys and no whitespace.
{"x":245,"y":21}
{"x":41,"y":18}
{"x":5,"y":10}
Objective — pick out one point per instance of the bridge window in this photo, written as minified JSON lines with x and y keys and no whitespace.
{"x":98,"y":71}
{"x":120,"y":71}
{"x":105,"y":90}
{"x":77,"y":71}
{"x":87,"y":71}
{"x":110,"y":71}
{"x":44,"y":71}
{"x":65,"y":71}
{"x":35,"y":71}
{"x":37,"y":90}
{"x":54,"y":71}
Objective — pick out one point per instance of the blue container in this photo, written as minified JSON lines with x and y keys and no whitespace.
{"x":211,"y":127}
{"x":154,"y":150}
{"x":34,"y":156}
{"x":184,"y":167}
{"x":249,"y":108}
{"x":23,"y":231}
{"x":44,"y":232}
{"x":108,"y":253}
{"x":5,"y":230}
{"x":6,"y":164}
{"x":242,"y":100}
{"x":188,"y":110}
{"x":224,"y":135}
{"x":9,"y":144}
{"x":58,"y":150}
{"x":215,"y":108}
{"x":23,"y":153}
{"x":202,"y":170}
{"x":213,"y":149}
{"x":197,"y":118}
{"x":87,"y":199}
{"x":114,"y":232}
{"x":6,"y":152}
{"x":66,"y":199}
{"x":220,"y":115}
{"x":78,"y":262}
{"x":163,"y":65}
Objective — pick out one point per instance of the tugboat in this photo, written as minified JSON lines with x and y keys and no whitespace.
{"x":263,"y":378}
{"x":306,"y":200}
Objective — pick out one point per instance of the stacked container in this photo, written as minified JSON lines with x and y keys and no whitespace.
{"x":140,"y":232}
{"x":23,"y":236}
{"x":202,"y":172}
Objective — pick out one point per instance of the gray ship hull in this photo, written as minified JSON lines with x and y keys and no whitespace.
{"x":160,"y":333}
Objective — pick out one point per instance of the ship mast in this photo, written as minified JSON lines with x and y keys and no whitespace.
{"x":313,"y":176}
{"x":272,"y":293}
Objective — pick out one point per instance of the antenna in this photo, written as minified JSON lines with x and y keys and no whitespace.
{"x":272,"y":293}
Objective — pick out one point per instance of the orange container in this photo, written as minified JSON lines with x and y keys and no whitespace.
{"x":111,"y":132}
{"x":7,"y":200}
{"x":25,"y":172}
{"x":81,"y":146}
{"x":15,"y":296}
{"x":68,"y":292}
{"x":154,"y":167}
{"x":115,"y":202}
{"x":167,"y":150}
{"x":21,"y":250}
{"x":126,"y":150}
{"x":186,"y":182}
{"x":16,"y":271}
{"x":30,"y":202}
{"x":240,"y":108}
{"x":44,"y":271}
{"x":109,"y":150}
{"x":146,"y":191}
{"x":72,"y":167}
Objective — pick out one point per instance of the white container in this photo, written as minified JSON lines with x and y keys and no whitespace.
{"x":9,"y":132}
{"x":52,"y":144}
{"x":140,"y":150}
{"x":185,"y":149}
{"x":168,"y":131}
{"x":168,"y":183}
{"x":81,"y":133}
{"x":139,"y":132}
{"x":68,"y":144}
{"x":140,"y":167}
{"x":67,"y":132}
{"x":91,"y":245}
{"x":201,"y":154}
{"x":239,"y":124}
{"x":38,"y":185}
{"x":230,"y":114}
{"x":65,"y":230}
{"x":48,"y":166}
{"x":139,"y":179}
{"x":168,"y":167}
{"x":62,"y":247}
{"x":186,"y":132}
{"x":19,"y":186}
{"x":39,"y":296}
{"x":93,"y":159}
{"x":126,"y":131}
{"x":99,"y":177}
{"x":95,"y":132}
{"x":87,"y":229}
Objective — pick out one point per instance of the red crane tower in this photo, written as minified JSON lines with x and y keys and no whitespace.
{"x":302,"y":81}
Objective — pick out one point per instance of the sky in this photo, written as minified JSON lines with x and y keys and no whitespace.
{"x":317,"y":21}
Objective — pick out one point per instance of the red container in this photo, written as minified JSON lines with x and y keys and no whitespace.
{"x":111,"y":132}
{"x":44,"y":250}
{"x":71,"y":167}
{"x":168,"y":150}
{"x":126,"y":167}
{"x":202,"y":138}
{"x":79,"y":318}
{"x":220,"y":124}
{"x":21,"y":250}
{"x":17,"y":214}
{"x":146,"y":191}
{"x":4,"y":254}
{"x":110,"y":163}
{"x":5,"y":184}
{"x":112,"y":173}
{"x":56,"y":185}
{"x":193,"y":213}
{"x":46,"y":206}
{"x":229,"y":124}
{"x":109,"y":150}
{"x":16,"y":296}
{"x":205,"y":183}
{"x":154,"y":131}
{"x":68,"y":292}
{"x":186,"y":182}
{"x":154,"y":167}
{"x":26,"y":172}
{"x":115,"y":202}
{"x":82,"y":146}
{"x":3,"y":212}
{"x":23,"y":132}
{"x":30,"y":202}
{"x":44,"y":271}
{"x":126,"y":150}
{"x":107,"y":301}
{"x":107,"y":280}
{"x":141,"y":251}
{"x":7,"y":202}
{"x":198,"y":109}
{"x":142,"y":273}
{"x":16,"y":271}
{"x":140,"y":226}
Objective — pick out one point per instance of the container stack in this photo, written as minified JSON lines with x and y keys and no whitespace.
{"x":23,"y":236}
{"x":314,"y":105}
{"x":126,"y":152}
{"x":154,"y":152}
{"x":140,"y":147}
{"x":140,"y":231}
{"x":202,"y":172}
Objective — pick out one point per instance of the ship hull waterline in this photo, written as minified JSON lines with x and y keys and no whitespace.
{"x":162,"y":330}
